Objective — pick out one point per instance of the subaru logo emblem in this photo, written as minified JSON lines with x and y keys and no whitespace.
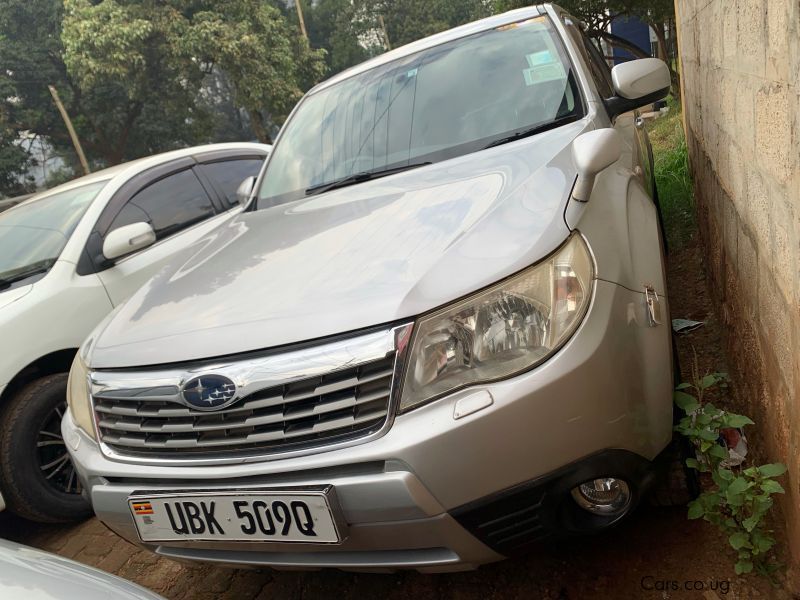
{"x":209,"y":392}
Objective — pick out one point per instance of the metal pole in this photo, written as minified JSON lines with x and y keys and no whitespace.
{"x":75,"y":141}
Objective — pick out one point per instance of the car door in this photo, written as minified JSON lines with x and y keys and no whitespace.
{"x":180,"y":208}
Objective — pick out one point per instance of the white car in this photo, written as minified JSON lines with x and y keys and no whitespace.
{"x":36,"y":575}
{"x":68,"y":256}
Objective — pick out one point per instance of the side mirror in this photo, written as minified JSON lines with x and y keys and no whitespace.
{"x":592,"y":152}
{"x":127,"y":239}
{"x":245,"y":189}
{"x":638,"y":83}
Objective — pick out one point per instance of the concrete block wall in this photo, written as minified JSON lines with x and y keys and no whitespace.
{"x":740,"y":63}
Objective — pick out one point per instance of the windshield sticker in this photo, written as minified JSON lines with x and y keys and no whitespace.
{"x":543,"y":66}
{"x":540,"y":58}
{"x":412,"y":73}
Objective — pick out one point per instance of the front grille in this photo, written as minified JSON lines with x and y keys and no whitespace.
{"x":320,"y":410}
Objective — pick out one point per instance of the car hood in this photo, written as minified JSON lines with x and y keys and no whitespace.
{"x":35,"y":575}
{"x":12,"y":295}
{"x":360,"y":256}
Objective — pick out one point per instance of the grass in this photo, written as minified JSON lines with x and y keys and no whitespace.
{"x":673,"y":179}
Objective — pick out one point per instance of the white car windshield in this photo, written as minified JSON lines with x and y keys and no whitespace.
{"x":455,"y":98}
{"x":33,"y":234}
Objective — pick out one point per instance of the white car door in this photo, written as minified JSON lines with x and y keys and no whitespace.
{"x":180,"y":210}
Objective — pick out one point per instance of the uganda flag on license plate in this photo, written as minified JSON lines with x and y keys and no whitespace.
{"x":142,"y":508}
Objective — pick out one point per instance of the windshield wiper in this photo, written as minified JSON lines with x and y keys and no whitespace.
{"x":359,"y":177}
{"x":532,"y":131}
{"x":13,"y":276}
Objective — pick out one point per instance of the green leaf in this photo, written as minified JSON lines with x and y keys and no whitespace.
{"x":739,"y":485}
{"x":708,"y":381}
{"x":743,"y":566}
{"x":685,"y":402}
{"x":683,"y":386}
{"x":734,"y":495}
{"x":772,"y":487}
{"x":762,"y":542}
{"x":726,"y":474}
{"x":708,"y":435}
{"x":750,"y":522}
{"x":696,"y":509}
{"x":772,"y":470}
{"x":739,"y":540}
{"x":736,"y":421}
{"x":718,"y":451}
{"x":693,"y":463}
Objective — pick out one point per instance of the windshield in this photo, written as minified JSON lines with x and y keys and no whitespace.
{"x":449,"y":100}
{"x":33,"y":234}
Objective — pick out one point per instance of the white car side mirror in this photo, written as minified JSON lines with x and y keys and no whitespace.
{"x":592,"y":152}
{"x":638,"y":83}
{"x":127,"y":239}
{"x":245,"y":189}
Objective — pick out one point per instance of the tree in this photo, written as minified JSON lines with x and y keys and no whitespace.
{"x":598,"y":15}
{"x":134,"y":85}
{"x":268,"y":64}
{"x":14,"y":165}
{"x":338,"y":27}
{"x":410,"y":20}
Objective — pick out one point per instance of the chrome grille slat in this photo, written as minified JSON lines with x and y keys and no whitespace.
{"x":343,"y":404}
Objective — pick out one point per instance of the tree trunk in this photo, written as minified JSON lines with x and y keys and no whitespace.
{"x":658,"y":28}
{"x":663,"y":54}
{"x":257,"y":121}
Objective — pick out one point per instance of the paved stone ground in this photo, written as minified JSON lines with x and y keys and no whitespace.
{"x":656,"y":545}
{"x":645,"y":557}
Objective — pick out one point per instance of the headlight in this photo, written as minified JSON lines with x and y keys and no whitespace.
{"x":78,"y":396}
{"x":502,"y":331}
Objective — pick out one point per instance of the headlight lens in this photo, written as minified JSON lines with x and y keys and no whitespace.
{"x":501,"y":331}
{"x":78,"y":396}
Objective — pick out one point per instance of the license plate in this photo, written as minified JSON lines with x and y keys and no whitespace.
{"x":235,"y":516}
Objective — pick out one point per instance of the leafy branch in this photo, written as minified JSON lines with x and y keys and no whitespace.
{"x":740,"y":498}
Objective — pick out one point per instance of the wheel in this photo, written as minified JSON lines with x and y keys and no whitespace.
{"x":37,"y":477}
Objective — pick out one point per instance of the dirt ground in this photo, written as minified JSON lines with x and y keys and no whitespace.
{"x":657,"y":553}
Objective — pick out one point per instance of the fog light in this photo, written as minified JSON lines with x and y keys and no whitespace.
{"x":604,"y":496}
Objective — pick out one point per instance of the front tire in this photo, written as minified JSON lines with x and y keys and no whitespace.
{"x":37,"y":477}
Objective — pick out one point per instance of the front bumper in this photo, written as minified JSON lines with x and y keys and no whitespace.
{"x":420,"y":496}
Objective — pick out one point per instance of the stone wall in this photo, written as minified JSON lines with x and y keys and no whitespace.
{"x":740,"y":62}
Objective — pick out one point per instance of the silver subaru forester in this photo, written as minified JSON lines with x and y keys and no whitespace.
{"x":437,"y":334}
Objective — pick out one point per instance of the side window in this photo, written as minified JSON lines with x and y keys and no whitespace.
{"x":169,"y":205}
{"x":229,"y":174}
{"x":598,"y":68}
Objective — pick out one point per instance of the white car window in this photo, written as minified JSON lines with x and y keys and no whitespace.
{"x":33,"y":234}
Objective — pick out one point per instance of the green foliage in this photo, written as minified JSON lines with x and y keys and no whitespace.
{"x":672,"y":175}
{"x":337,"y":26}
{"x":135,"y":82}
{"x":14,"y":164}
{"x":740,"y":498}
{"x":266,"y":62}
{"x":409,"y":20}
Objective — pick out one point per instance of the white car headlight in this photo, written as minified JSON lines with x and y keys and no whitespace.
{"x":504,"y":330}
{"x":78,"y":396}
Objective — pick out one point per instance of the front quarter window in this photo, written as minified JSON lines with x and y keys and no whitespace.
{"x":452,"y":99}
